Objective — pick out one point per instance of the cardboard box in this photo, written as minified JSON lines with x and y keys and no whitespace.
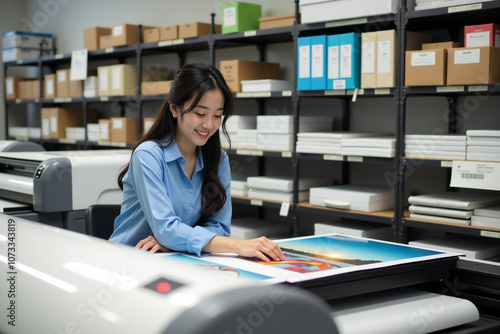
{"x":123,"y":80}
{"x":26,"y":90}
{"x":277,"y":21}
{"x":151,"y":35}
{"x":50,"y":84}
{"x":124,"y":34}
{"x":154,"y":73}
{"x":196,"y":29}
{"x":104,"y":80}
{"x":12,"y":88}
{"x":104,"y":129}
{"x":91,"y":37}
{"x":170,"y":32}
{"x":425,"y":68}
{"x":369,"y":59}
{"x":58,"y":120}
{"x":234,"y":71}
{"x":156,"y":87}
{"x":124,"y":129}
{"x":473,"y":66}
{"x":27,"y":39}
{"x":75,"y":88}
{"x":482,"y":35}
{"x":106,"y":41}
{"x":147,"y":122}
{"x":62,"y":81}
{"x":240,"y":16}
{"x":441,"y":45}
{"x":35,"y":89}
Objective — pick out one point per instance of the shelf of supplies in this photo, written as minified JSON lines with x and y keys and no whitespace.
{"x":428,"y":162}
{"x":261,"y":153}
{"x":382,"y":92}
{"x":452,"y":228}
{"x":344,"y":158}
{"x":176,"y":45}
{"x":263,"y":95}
{"x":382,"y":22}
{"x":256,"y":202}
{"x":385,"y":217}
{"x":492,"y":89}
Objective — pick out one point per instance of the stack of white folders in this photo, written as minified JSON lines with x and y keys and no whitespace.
{"x":239,"y":186}
{"x":265,"y":85}
{"x":234,"y":125}
{"x":249,"y":228}
{"x":483,"y":145}
{"x":486,"y":217}
{"x":326,"y":142}
{"x":451,"y":147}
{"x":384,"y":147}
{"x":469,"y":246}
{"x":430,"y":4}
{"x":450,"y":207}
{"x":280,"y":188}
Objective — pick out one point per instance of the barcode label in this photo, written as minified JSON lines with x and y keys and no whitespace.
{"x":473,"y":176}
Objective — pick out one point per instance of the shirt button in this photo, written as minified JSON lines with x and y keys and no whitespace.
{"x":190,"y":190}
{"x":190,"y":208}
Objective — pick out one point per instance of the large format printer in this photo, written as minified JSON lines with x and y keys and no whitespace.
{"x":55,"y":187}
{"x":58,"y":280}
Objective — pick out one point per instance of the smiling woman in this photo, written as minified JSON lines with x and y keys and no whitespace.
{"x":177,"y":183}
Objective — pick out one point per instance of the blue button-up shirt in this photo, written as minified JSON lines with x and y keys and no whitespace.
{"x":159,"y":199}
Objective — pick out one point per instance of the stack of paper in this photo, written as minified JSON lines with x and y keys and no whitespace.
{"x":355,"y":228}
{"x":239,"y":185}
{"x":93,"y":131}
{"x":277,"y":133}
{"x":429,"y":4}
{"x":483,"y":145}
{"x":249,"y":228}
{"x":233,"y":126}
{"x":280,"y":188}
{"x":435,"y":146}
{"x":265,"y":85}
{"x":384,"y":147}
{"x":472,"y":247}
{"x":90,"y":87}
{"x":325,"y":142}
{"x":487,"y":217}
{"x":246,"y":139}
{"x":450,"y":207}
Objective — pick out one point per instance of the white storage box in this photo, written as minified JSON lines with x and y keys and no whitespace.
{"x":284,"y":123}
{"x":355,"y":228}
{"x":456,"y":200}
{"x":239,"y":122}
{"x":313,"y":11}
{"x":34,"y":133}
{"x":77,"y":133}
{"x":249,"y":228}
{"x":14,"y":54}
{"x":18,"y":131}
{"x":352,"y":197}
{"x":278,"y":196}
{"x":25,"y":39}
{"x":283,"y":183}
{"x":266,"y":85}
{"x":472,"y":247}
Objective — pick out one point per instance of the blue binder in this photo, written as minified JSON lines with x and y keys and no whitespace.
{"x":318,"y":62}
{"x":333,"y":62}
{"x":350,"y":59}
{"x":304,"y":63}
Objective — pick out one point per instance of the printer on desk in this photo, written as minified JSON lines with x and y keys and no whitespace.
{"x":58,"y":186}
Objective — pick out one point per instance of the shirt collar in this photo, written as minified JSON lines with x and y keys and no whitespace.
{"x":173,"y":152}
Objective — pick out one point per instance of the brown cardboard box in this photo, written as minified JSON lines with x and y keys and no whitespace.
{"x":154,"y":73}
{"x":236,"y":70}
{"x":425,"y":68}
{"x":59,"y":120}
{"x":151,"y":35}
{"x":124,"y":129}
{"x":156,"y":87}
{"x":26,"y":89}
{"x":50,"y":84}
{"x":123,"y":80}
{"x":441,"y":45}
{"x":75,"y":88}
{"x":106,"y":41}
{"x":12,"y":88}
{"x":473,"y":66}
{"x":104,"y":130}
{"x":170,"y":32}
{"x":147,"y":122}
{"x":104,"y":80}
{"x":196,"y":29}
{"x":45,"y":122}
{"x":277,"y":21}
{"x":35,"y":89}
{"x":124,"y":34}
{"x":62,"y":79}
{"x":91,"y":37}
{"x":369,"y":59}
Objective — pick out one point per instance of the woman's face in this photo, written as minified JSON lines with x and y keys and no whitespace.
{"x":197,"y":126}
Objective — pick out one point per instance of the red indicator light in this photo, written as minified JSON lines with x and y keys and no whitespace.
{"x":163,"y":287}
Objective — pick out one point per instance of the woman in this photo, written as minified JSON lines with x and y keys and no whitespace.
{"x":176,"y":185}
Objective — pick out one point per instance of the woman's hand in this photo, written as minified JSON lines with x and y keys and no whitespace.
{"x":262,"y":247}
{"x":150,"y":243}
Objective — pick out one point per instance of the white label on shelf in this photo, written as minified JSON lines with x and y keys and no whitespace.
{"x":447,"y":89}
{"x":261,"y":94}
{"x":475,"y":175}
{"x":304,"y":61}
{"x":165,"y":43}
{"x":10,"y":86}
{"x":339,"y":84}
{"x":286,"y":93}
{"x":229,"y":17}
{"x":18,"y":100}
{"x":104,"y":98}
{"x":117,"y":124}
{"x":346,"y":22}
{"x":118,"y":30}
{"x":335,"y":157}
{"x":178,"y":41}
{"x":256,"y":202}
{"x":59,"y":100}
{"x":368,"y":58}
{"x":317,"y":61}
{"x":474,"y":39}
{"x":346,"y":61}
{"x":475,"y":6}
{"x":286,"y":154}
{"x":382,"y":91}
{"x":244,"y":152}
{"x":250,"y":33}
{"x":285,"y":209}
{"x":257,"y":153}
{"x":79,"y":65}
{"x":468,"y":56}
{"x":243,"y":94}
{"x":456,"y":9}
{"x":490,"y":234}
{"x":109,"y":50}
{"x":334,"y":92}
{"x":423,"y":58}
{"x":49,"y":87}
{"x":478,"y":88}
{"x":61,"y":76}
{"x":384,"y":56}
{"x":45,"y":127}
{"x":354,"y":159}
{"x":333,"y":62}
{"x":116,"y":81}
{"x":59,"y":56}
{"x":20,"y":61}
{"x":447,"y":163}
{"x":53,"y":124}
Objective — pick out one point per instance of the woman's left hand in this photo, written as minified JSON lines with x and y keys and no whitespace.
{"x":150,"y":243}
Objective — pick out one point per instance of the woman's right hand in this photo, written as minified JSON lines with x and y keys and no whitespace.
{"x":262,"y":247}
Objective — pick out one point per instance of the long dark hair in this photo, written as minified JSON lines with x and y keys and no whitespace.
{"x":191,"y":82}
